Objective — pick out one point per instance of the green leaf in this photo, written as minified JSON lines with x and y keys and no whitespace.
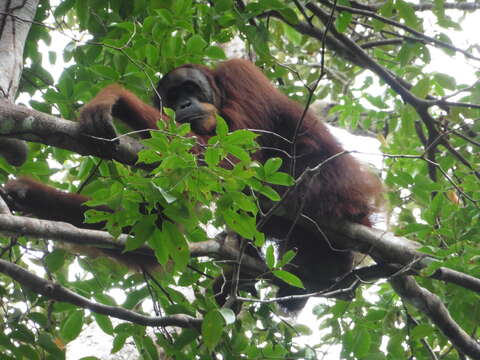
{"x":343,"y":20}
{"x":104,"y":323}
{"x":135,"y":297}
{"x":55,"y":260}
{"x":46,"y":342}
{"x":407,"y":52}
{"x":223,"y":5}
{"x":303,"y":329}
{"x":376,"y":315}
{"x":280,"y":178}
{"x":142,"y":230}
{"x":273,"y":4}
{"x":105,"y":71}
{"x":212,"y":156}
{"x":289,"y":278}
{"x":39,"y":318}
{"x":40,"y":106}
{"x":238,"y":152}
{"x":287,"y":257}
{"x":23,"y":334}
{"x":421,"y":88}
{"x":105,"y":299}
{"x":434,"y":265}
{"x":445,"y":81}
{"x":292,"y":35}
{"x":133,"y":242}
{"x":222,"y":127}
{"x":83,"y":13}
{"x":72,"y":326}
{"x":241,"y":137}
{"x":183,"y":129}
{"x":215,"y":52}
{"x":63,"y":8}
{"x":407,"y":13}
{"x":244,"y":202}
{"x":212,"y":328}
{"x":168,"y":196}
{"x":151,"y":53}
{"x":260,"y":40}
{"x":228,"y":315}
{"x":243,"y":224}
{"x":150,"y":348}
{"x":413,"y":229}
{"x":178,"y":246}
{"x":129,"y":26}
{"x":387,"y":8}
{"x":272,"y":165}
{"x":361,"y":342}
{"x":63,"y":307}
{"x":289,"y":15}
{"x":195,"y":45}
{"x":227,"y":19}
{"x":164,"y":17}
{"x":270,"y":257}
{"x":52,"y":57}
{"x":240,"y":342}
{"x":421,"y":331}
{"x":270,"y":193}
{"x":160,"y":244}
{"x":181,"y":7}
{"x":118,"y":342}
{"x":28,"y":352}
{"x":377,"y":101}
{"x":187,"y":336}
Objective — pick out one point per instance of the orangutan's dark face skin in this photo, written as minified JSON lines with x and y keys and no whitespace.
{"x":188,"y":92}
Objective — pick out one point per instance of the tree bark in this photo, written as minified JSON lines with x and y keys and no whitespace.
{"x":16,"y":17}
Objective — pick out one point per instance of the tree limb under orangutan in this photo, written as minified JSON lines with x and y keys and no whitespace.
{"x":244,"y":97}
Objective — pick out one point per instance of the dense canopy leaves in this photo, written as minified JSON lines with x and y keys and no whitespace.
{"x":378,"y":70}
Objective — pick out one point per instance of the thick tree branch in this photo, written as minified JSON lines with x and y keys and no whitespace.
{"x":352,"y":52}
{"x":458,"y":278}
{"x":59,"y":293}
{"x":28,"y":124}
{"x":13,"y":35}
{"x":67,"y":233}
{"x":398,"y":85}
{"x":368,"y":62}
{"x":372,"y":44}
{"x":406,"y":28}
{"x":385,"y":271}
{"x":379,"y":244}
{"x":466,"y":6}
{"x":431,"y":305}
{"x":35,"y":126}
{"x":315,"y":32}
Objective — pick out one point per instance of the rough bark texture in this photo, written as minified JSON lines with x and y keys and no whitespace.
{"x":16,"y":18}
{"x":15,"y":22}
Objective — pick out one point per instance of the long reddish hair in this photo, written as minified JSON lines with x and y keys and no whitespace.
{"x":344,"y":187}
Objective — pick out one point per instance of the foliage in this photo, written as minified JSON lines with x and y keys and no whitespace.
{"x":430,"y":187}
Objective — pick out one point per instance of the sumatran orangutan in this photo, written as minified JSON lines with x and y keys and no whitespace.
{"x":244,"y":97}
